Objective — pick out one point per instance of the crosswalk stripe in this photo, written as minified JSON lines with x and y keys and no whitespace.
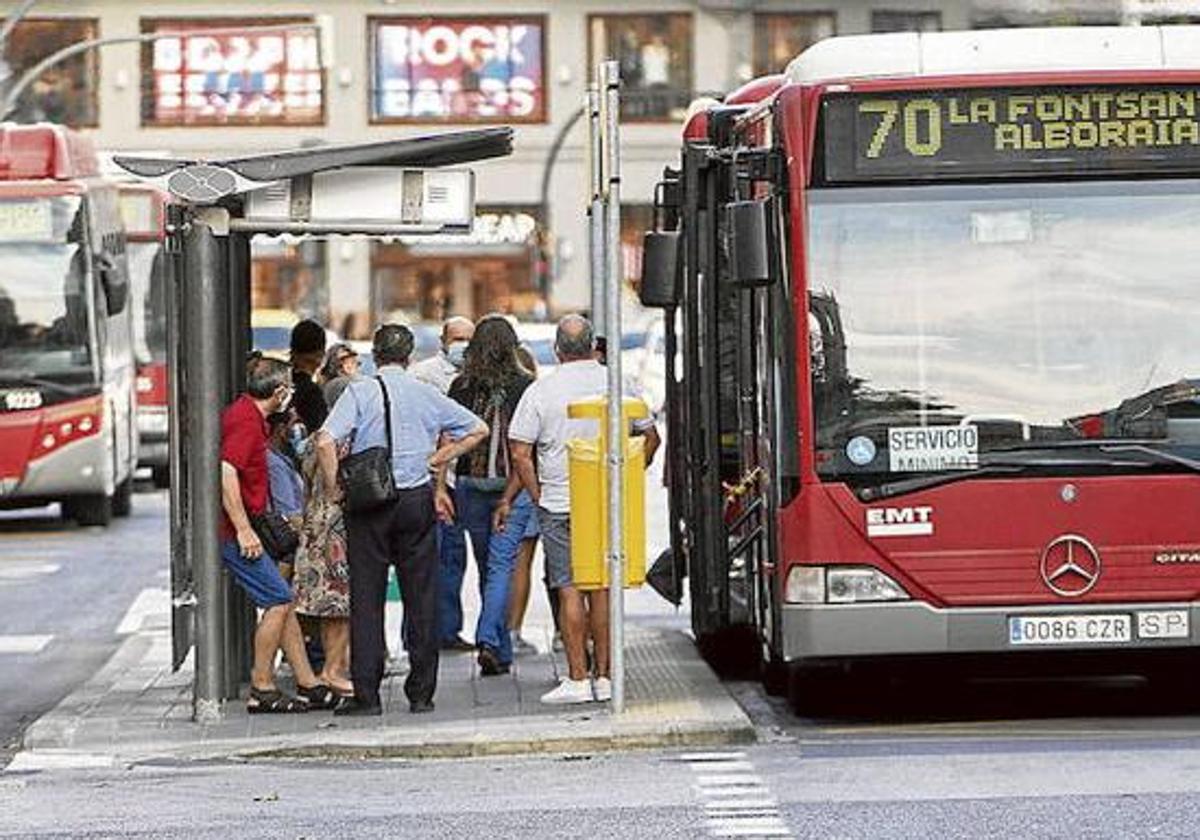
{"x":24,"y":644}
{"x":737,"y":802}
{"x":26,"y":569}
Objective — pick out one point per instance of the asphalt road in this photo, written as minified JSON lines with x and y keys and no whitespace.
{"x":64,"y":591}
{"x":913,"y":758}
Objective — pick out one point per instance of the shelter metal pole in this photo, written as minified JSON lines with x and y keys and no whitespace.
{"x":610,"y":76}
{"x":596,"y":215}
{"x":204,"y":375}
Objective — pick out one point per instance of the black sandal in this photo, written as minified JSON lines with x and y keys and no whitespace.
{"x":273,"y":702}
{"x":319,"y":696}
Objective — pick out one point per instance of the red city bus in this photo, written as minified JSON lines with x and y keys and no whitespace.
{"x":143,"y":211}
{"x":67,"y":430}
{"x":933,"y":387}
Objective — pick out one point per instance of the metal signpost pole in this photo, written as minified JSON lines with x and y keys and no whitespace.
{"x":596,"y":218}
{"x":610,"y":80}
{"x":204,"y":378}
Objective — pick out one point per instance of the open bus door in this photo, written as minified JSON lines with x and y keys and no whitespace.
{"x":731,"y":462}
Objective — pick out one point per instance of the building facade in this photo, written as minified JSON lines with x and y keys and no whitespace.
{"x":282,"y":74}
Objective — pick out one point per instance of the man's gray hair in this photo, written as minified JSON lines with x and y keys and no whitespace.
{"x":575,"y":338}
{"x":393,"y":344}
{"x":264,"y":375}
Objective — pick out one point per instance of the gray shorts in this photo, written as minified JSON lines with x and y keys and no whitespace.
{"x":556,"y":543}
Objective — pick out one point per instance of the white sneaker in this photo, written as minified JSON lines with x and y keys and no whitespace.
{"x":569,"y":692}
{"x":602,"y":689}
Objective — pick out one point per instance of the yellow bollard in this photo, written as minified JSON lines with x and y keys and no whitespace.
{"x":588,"y":474}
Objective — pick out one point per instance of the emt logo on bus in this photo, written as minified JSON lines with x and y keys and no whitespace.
{"x":900,"y":522}
{"x":999,"y":132}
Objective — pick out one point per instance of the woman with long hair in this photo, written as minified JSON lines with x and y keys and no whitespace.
{"x":491,"y":384}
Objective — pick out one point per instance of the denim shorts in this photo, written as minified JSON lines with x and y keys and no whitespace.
{"x":532,"y":530}
{"x":556,"y":543}
{"x":259,"y":578}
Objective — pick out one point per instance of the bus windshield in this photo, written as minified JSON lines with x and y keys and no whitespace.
{"x":949,"y":321}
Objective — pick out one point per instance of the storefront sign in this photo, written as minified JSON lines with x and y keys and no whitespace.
{"x":225,"y":77}
{"x":459,"y":69}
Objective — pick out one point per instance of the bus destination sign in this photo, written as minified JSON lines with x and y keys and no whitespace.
{"x":1009,"y":132}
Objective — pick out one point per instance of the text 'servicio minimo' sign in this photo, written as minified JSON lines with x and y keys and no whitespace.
{"x":1009,"y":132}
{"x":932,"y":448}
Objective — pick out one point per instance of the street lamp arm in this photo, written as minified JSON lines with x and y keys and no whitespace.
{"x":29,"y":76}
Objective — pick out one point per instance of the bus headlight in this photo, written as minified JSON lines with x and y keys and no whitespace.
{"x":840,"y":585}
{"x":855,"y":585}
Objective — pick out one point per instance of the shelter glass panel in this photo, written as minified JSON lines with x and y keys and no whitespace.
{"x":458,"y":69}
{"x":238,"y":72}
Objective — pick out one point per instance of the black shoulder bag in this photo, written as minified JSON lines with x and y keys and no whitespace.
{"x":367,"y":476}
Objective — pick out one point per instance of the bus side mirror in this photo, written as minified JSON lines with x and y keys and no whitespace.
{"x":113,"y":284}
{"x":659,"y":288}
{"x":749,"y":250}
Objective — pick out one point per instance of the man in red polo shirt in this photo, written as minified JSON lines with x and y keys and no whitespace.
{"x":244,"y":493}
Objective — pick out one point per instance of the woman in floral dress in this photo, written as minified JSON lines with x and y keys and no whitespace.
{"x":322,"y":577}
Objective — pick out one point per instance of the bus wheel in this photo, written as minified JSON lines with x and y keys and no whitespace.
{"x":775,"y":677}
{"x":122,"y":500}
{"x":813,"y":691}
{"x":161,"y":476}
{"x":731,"y":652}
{"x":90,"y":510}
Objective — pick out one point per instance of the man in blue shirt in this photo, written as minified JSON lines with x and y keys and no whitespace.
{"x":403,"y":532}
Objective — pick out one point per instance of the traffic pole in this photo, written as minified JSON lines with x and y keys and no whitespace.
{"x":596,"y":219}
{"x":610,"y":84}
{"x":203,"y":375}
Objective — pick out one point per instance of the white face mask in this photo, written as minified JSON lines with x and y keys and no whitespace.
{"x":286,"y":402}
{"x":456,"y":353}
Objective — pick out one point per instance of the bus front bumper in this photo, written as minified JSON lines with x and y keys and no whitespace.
{"x":847,"y":631}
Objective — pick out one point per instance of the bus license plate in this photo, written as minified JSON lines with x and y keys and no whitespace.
{"x":1069,"y":629}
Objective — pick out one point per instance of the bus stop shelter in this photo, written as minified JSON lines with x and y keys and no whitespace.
{"x":411,"y":186}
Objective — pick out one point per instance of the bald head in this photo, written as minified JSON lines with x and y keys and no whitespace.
{"x":457,"y":329}
{"x":574,"y":340}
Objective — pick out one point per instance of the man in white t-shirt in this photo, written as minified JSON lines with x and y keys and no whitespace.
{"x":541,"y":422}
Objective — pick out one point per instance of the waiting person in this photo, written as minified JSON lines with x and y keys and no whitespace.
{"x":541,"y":421}
{"x":491,"y":385}
{"x":322,"y":576}
{"x":341,"y":365}
{"x":244,"y":494}
{"x":402,"y":532}
{"x":285,"y":484}
{"x":440,"y":371}
{"x":308,"y":352}
{"x":518,"y":600}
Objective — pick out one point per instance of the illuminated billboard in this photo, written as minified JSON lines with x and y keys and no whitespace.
{"x":458,"y":70}
{"x":233,"y":71}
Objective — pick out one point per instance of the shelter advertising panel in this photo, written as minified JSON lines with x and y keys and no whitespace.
{"x":458,"y":69}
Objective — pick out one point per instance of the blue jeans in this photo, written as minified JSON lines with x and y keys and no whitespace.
{"x":452,"y":565}
{"x":496,"y":554}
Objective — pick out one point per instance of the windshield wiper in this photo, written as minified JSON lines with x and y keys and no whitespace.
{"x":991,"y":468}
{"x":28,"y":380}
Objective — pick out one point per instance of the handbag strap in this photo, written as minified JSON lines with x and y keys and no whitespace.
{"x":387,"y":415}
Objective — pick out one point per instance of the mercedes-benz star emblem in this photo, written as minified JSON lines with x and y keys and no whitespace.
{"x":1070,"y":566}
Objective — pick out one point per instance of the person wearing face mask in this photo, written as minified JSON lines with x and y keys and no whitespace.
{"x":440,"y":371}
{"x":245,"y":493}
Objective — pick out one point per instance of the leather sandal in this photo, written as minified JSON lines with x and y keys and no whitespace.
{"x":273,"y":702}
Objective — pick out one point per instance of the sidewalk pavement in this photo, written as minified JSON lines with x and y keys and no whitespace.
{"x":134,"y":709}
